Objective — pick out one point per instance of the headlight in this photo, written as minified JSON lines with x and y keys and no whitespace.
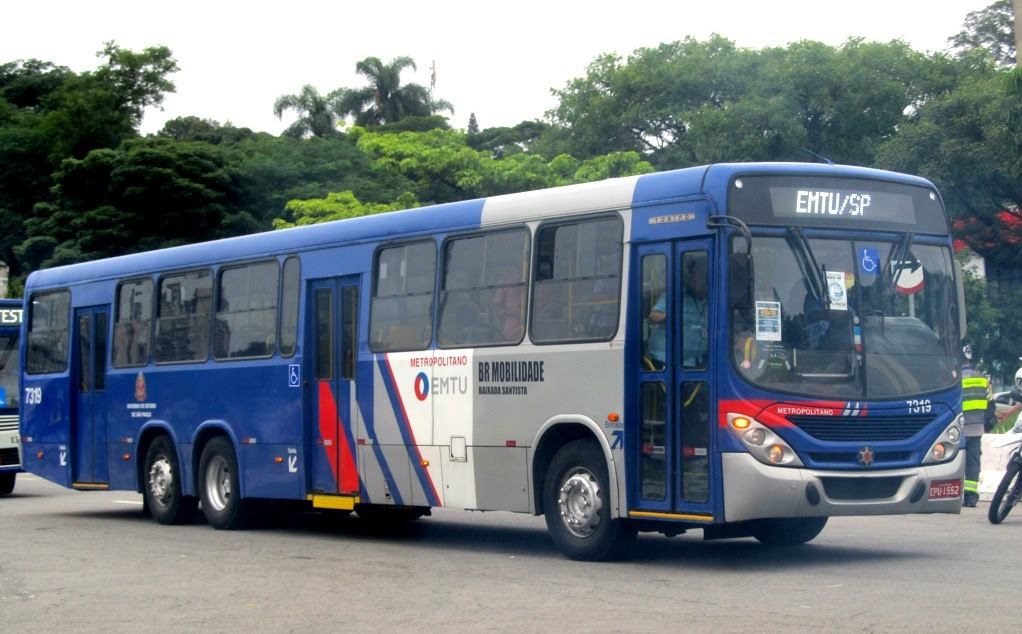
{"x":760,"y":441}
{"x":946,"y":446}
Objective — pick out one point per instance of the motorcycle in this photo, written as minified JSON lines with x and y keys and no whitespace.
{"x":1009,"y":491}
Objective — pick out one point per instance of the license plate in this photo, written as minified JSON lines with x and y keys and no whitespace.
{"x":945,"y":489}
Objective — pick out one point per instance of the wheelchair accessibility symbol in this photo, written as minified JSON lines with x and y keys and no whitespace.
{"x":294,"y":375}
{"x":869,"y":260}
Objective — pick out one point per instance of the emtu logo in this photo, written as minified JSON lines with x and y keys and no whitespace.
{"x":421,"y":386}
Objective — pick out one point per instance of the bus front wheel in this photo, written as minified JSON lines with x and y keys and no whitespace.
{"x":7,"y":482}
{"x":220,"y":487}
{"x":576,"y":503}
{"x":163,"y":494}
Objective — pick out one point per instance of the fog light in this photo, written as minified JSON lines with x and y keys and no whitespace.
{"x":740,"y":423}
{"x":776,"y":453}
{"x":755,"y":436}
{"x":939,"y":451}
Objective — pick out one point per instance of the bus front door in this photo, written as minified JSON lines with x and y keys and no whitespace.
{"x":672,"y":449}
{"x":333,"y":330}
{"x":88,"y":420}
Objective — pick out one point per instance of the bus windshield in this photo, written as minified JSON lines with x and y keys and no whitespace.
{"x":834,"y":318}
{"x":9,"y":370}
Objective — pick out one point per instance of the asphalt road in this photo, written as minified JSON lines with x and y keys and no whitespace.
{"x":87,"y":562}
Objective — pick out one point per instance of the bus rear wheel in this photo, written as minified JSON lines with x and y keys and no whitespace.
{"x":219,"y":486}
{"x":576,"y":503}
{"x":164,"y":498}
{"x":790,"y":531}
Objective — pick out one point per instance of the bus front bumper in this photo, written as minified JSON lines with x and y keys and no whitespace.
{"x":753,"y":490}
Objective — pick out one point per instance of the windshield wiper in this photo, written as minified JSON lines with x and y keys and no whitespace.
{"x":812,"y":273}
{"x":898,"y":253}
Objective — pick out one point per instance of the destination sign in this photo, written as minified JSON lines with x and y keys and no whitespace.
{"x":841,"y":203}
{"x":10,"y":317}
{"x":836,"y":202}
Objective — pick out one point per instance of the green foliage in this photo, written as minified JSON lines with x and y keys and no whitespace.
{"x":337,"y":206}
{"x":691,"y":102}
{"x":994,"y":327}
{"x":440,"y":166}
{"x":991,"y":29}
{"x":148,"y":193}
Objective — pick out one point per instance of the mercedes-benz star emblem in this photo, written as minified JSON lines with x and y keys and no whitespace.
{"x":866,"y":456}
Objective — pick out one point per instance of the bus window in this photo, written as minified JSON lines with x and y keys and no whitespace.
{"x":695,"y":329}
{"x":133,"y":323}
{"x":402,"y":305}
{"x":482,"y":296}
{"x":183,"y":317}
{"x":654,"y":312}
{"x":246,"y":315}
{"x":289,"y":307}
{"x":577,"y":281}
{"x":49,"y":318}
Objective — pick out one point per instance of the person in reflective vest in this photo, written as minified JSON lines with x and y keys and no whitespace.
{"x":974,"y":406}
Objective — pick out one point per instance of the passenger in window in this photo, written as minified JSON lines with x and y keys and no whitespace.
{"x":508,"y":308}
{"x":695,"y":314}
{"x":656,"y":346}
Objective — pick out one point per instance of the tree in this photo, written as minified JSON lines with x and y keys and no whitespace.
{"x":316,"y":116}
{"x":691,"y":102}
{"x":146,"y":194}
{"x":991,"y":29}
{"x":385,"y":100}
{"x":138,"y":80}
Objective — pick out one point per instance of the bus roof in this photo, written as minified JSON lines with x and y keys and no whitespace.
{"x":617,"y":193}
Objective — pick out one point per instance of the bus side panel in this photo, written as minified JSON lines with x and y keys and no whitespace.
{"x":519,"y":390}
{"x":45,"y":427}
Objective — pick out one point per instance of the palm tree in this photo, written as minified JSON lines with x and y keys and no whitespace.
{"x":385,"y":100}
{"x":315,"y":115}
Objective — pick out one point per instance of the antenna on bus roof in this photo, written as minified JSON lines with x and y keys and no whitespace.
{"x":822,"y":158}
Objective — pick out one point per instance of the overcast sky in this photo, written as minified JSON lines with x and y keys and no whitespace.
{"x":497,"y":60}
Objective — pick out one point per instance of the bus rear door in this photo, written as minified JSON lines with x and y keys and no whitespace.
{"x":88,"y":428}
{"x":676,"y":404}
{"x":334,"y":339}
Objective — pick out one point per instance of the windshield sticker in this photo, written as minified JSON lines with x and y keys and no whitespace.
{"x":836,"y":289}
{"x":768,"y":321}
{"x":869,"y":260}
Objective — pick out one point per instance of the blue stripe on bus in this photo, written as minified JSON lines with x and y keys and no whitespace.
{"x":365,"y":391}
{"x":405,"y":427}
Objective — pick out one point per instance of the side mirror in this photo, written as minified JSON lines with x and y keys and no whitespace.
{"x":740,"y":280}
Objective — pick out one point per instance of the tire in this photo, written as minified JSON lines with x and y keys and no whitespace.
{"x":7,"y":482}
{"x":1008,"y":492}
{"x":220,"y":488}
{"x":576,"y":503}
{"x":162,"y":491}
{"x":792,"y":531}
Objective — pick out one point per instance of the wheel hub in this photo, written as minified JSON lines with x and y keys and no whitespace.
{"x":161,"y":481}
{"x":579,"y":502}
{"x":218,"y":483}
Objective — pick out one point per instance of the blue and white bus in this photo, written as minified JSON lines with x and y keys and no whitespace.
{"x":535,"y":353}
{"x":10,"y":442}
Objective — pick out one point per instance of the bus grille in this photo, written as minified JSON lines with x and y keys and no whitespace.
{"x":861,"y":428}
{"x":9,"y":423}
{"x":861,"y":488}
{"x":9,"y":457}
